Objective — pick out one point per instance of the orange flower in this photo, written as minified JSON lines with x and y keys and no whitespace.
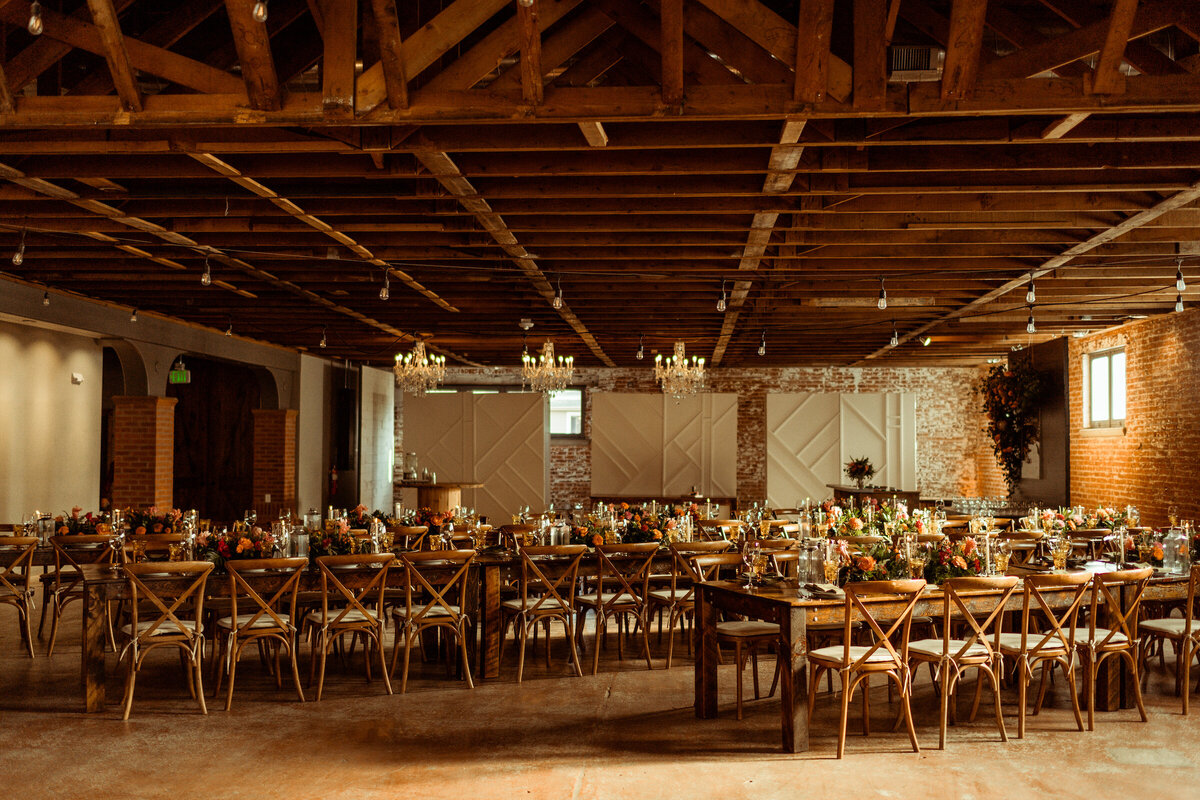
{"x":244,"y":544}
{"x":597,"y":539}
{"x":139,"y":530}
{"x":959,"y":562}
{"x":158,"y":527}
{"x":865,"y":563}
{"x":856,"y":524}
{"x":969,"y":546}
{"x":62,"y":530}
{"x":624,"y":506}
{"x":656,"y":534}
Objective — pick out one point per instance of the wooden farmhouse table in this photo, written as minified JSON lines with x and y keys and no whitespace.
{"x":783,"y":603}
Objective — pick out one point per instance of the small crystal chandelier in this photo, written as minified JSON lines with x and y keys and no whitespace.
{"x":417,"y":372}
{"x":678,"y":377}
{"x":545,"y":373}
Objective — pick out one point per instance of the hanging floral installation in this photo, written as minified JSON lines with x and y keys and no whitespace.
{"x":1010,"y":400}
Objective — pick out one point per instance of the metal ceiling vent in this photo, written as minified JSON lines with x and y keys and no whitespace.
{"x":916,"y":63}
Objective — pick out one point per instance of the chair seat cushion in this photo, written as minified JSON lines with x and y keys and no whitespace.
{"x":1118,"y":639}
{"x":1170,"y":627}
{"x":168,"y":627}
{"x":833,"y":654}
{"x":669,"y":596}
{"x":608,"y":598}
{"x":547,"y":605}
{"x":746,"y":628}
{"x":436,"y":611}
{"x":243,"y":620}
{"x":932,"y":649}
{"x":1011,"y":643}
{"x":352,"y":616}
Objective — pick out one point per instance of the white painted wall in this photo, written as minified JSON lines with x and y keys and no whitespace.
{"x":49,"y":427}
{"x":312,"y":433}
{"x":376,"y":445}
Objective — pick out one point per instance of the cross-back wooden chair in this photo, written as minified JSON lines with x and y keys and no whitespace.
{"x":410,"y":537}
{"x":264,"y":613}
{"x":883,"y":652}
{"x":678,"y":599}
{"x":1120,"y":594}
{"x":153,"y":546}
{"x":16,"y":577}
{"x":1183,"y":633}
{"x":714,"y":529}
{"x":625,"y":568}
{"x":1023,"y":544}
{"x":513,"y":536}
{"x":166,"y":609}
{"x":67,"y":584}
{"x":352,"y":596}
{"x":746,"y":635}
{"x":1050,"y":647}
{"x":545,"y":594}
{"x":976,"y":604}
{"x":435,"y":580}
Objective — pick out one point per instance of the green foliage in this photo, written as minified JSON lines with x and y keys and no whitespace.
{"x":1010,"y":400}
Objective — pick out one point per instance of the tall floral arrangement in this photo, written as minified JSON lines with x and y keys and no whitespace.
{"x":1010,"y":398}
{"x":152,"y":520}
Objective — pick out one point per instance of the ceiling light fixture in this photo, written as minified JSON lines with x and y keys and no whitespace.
{"x":1178,"y":302}
{"x":557,"y":302}
{"x":721,"y":305}
{"x":1031,"y":295}
{"x":678,"y":377}
{"x":206,"y":277}
{"x":882,"y":303}
{"x":45,"y":298}
{"x":526,"y":3}
{"x":417,"y":372}
{"x":1031,"y":326}
{"x":762,"y":345}
{"x":895,"y":340}
{"x":35,"y":26}
{"x":260,"y":11}
{"x":386,"y":292}
{"x":1180,"y":284}
{"x":546,"y":373}
{"x":229,"y":329}
{"x":324,"y":342}
{"x":641,"y":353}
{"x":926,"y":341}
{"x":133,"y":316}
{"x":19,"y":256}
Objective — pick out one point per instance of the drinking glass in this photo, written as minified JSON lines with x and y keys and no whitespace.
{"x":1000,"y":558}
{"x":748,"y":556}
{"x":1060,"y":549}
{"x":832,"y":567}
{"x":1172,"y":515}
{"x":916,"y":565}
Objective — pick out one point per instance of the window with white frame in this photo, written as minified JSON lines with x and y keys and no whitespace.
{"x":566,"y":412}
{"x":1105,"y":388}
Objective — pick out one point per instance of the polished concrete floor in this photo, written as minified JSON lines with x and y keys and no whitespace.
{"x":624,"y":733}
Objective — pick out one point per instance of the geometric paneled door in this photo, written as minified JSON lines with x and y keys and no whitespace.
{"x":810,"y":437}
{"x":499,"y":440}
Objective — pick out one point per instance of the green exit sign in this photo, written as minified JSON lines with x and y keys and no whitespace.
{"x":179,"y":376}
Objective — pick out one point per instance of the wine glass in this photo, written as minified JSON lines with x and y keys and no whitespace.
{"x":748,"y":556}
{"x":1172,"y":515}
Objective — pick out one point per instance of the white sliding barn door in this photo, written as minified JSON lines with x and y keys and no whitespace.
{"x":883,"y":428}
{"x":651,"y":446}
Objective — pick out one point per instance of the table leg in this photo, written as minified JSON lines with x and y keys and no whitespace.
{"x":489,"y":622}
{"x":1114,"y":681}
{"x":93,"y":670}
{"x":705,"y":626}
{"x":793,"y":679}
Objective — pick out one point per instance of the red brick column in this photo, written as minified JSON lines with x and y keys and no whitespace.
{"x":143,"y":452}
{"x":274,"y":460}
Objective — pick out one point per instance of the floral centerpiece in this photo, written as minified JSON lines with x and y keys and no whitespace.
{"x":877,"y":562}
{"x":590,"y":532}
{"x":1010,"y":398}
{"x":359,"y":517}
{"x":334,"y":542}
{"x":221,"y":546}
{"x":151,"y":521}
{"x":75,"y":525}
{"x":960,"y":559}
{"x":424,"y":517}
{"x":859,"y":470}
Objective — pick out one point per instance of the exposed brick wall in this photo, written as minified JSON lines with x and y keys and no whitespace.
{"x":143,"y":451}
{"x":274,"y":460}
{"x":1155,"y":463}
{"x":949,"y":421}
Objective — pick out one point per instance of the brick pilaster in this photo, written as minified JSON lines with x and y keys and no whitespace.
{"x":143,"y":452}
{"x":274,"y":460}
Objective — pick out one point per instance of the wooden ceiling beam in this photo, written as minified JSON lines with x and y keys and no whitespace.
{"x":671,"y":50}
{"x":104,"y":15}
{"x":813,"y":32}
{"x":254,"y":54}
{"x":395,"y":75}
{"x":1106,"y":78}
{"x":46,"y":51}
{"x":529,"y":34}
{"x":965,"y":45}
{"x":870,"y":55}
{"x":565,"y":42}
{"x":1143,"y":56}
{"x":340,"y":37}
{"x":638,"y":20}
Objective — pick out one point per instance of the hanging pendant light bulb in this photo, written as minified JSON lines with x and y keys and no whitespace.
{"x":386,"y":291}
{"x":229,"y":330}
{"x":721,"y":305}
{"x":35,"y":26}
{"x":895,"y":340}
{"x":45,"y":298}
{"x":762,"y":345}
{"x":1031,"y":294}
{"x":19,"y":256}
{"x":641,"y":353}
{"x":206,"y":277}
{"x":133,"y":316}
{"x":324,"y":342}
{"x":1030,"y":326}
{"x":1180,"y":284}
{"x":882,"y":302}
{"x":1178,"y":302}
{"x":557,"y":302}
{"x":260,"y":11}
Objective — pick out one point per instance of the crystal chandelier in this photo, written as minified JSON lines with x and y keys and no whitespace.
{"x":678,"y":377}
{"x":545,"y":373}
{"x":417,"y":372}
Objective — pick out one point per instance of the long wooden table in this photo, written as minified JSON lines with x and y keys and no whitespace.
{"x":783,"y":603}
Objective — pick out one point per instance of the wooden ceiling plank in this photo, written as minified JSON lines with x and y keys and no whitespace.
{"x":564,"y":43}
{"x":590,"y":67}
{"x":104,"y":16}
{"x":966,"y":42}
{"x":671,"y":50}
{"x":783,"y":40}
{"x":529,"y":35}
{"x":7,"y":106}
{"x":254,"y":54}
{"x":813,"y":33}
{"x":429,"y":43}
{"x":395,"y":75}
{"x":340,"y":36}
{"x":1106,"y":78}
{"x":636,"y":18}
{"x":74,"y":32}
{"x":594,"y":133}
{"x":870,"y":55}
{"x":1064,"y":125}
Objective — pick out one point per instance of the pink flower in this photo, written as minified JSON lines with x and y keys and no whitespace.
{"x":75,"y":510}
